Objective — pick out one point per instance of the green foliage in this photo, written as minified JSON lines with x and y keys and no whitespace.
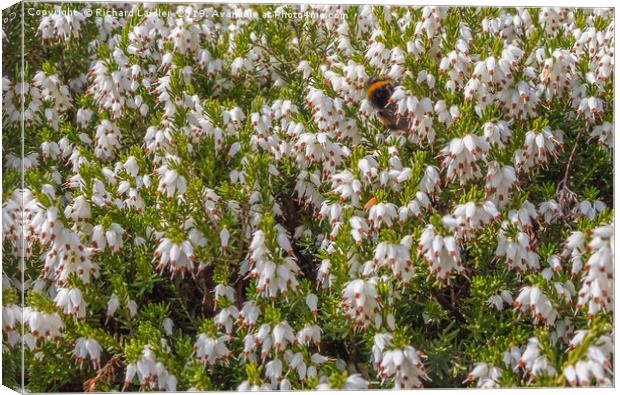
{"x":454,"y":323}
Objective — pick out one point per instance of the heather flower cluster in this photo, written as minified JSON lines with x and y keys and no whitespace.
{"x":208,"y":199}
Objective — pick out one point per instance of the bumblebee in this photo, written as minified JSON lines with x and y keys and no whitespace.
{"x":378,"y":93}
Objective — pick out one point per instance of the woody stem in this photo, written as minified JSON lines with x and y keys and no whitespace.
{"x":570,"y":159}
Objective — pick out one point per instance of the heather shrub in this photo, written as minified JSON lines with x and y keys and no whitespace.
{"x":211,"y":200}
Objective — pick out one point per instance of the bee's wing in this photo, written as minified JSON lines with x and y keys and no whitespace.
{"x":387,"y":112}
{"x":398,"y":123}
{"x":388,"y":117}
{"x":403,"y":124}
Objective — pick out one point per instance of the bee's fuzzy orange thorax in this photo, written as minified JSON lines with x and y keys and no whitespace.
{"x":374,"y":86}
